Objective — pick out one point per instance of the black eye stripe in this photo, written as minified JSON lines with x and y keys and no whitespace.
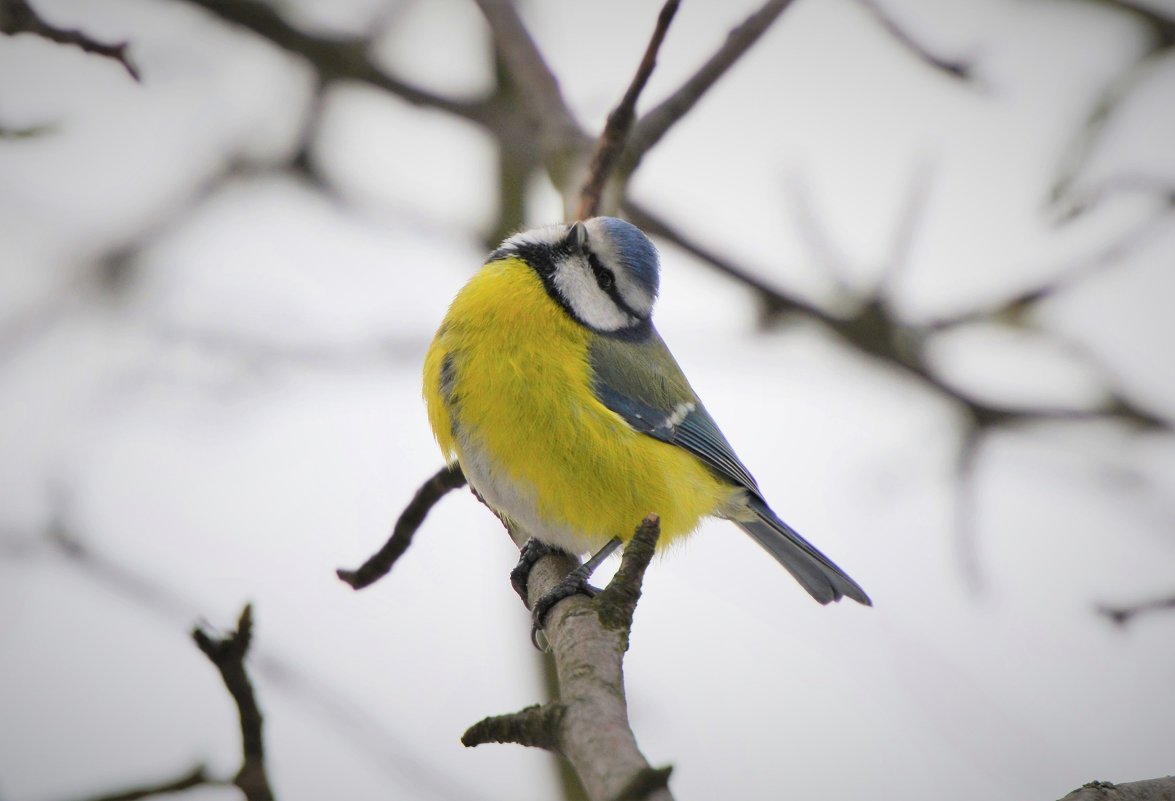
{"x":606,"y":280}
{"x":604,"y":277}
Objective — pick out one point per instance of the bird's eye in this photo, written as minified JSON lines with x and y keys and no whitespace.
{"x":605,"y":279}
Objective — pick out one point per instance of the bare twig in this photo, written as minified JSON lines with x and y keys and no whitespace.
{"x":228,"y":655}
{"x":589,"y":723}
{"x":196,"y":777}
{"x":17,"y":16}
{"x":620,"y":120}
{"x":956,"y":68}
{"x":1122,"y":615}
{"x":656,"y":123}
{"x":377,"y":566}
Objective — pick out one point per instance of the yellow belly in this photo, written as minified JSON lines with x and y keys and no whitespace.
{"x":530,"y":435}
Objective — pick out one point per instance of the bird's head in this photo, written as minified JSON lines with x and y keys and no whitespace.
{"x":604,"y":272}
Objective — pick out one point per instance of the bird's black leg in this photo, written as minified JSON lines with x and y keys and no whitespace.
{"x":573,"y":583}
{"x":531,"y":552}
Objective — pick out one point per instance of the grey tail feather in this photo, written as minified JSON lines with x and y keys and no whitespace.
{"x":815,"y":572}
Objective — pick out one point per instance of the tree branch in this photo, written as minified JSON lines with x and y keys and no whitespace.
{"x":17,"y":16}
{"x":333,"y":58}
{"x":228,"y":655}
{"x":777,"y":301}
{"x":196,"y":777}
{"x":657,"y":122}
{"x":528,"y":69}
{"x":620,"y":120}
{"x":1122,"y":615}
{"x":1147,"y":790}
{"x":380,"y":563}
{"x":956,"y":68}
{"x":589,"y":723}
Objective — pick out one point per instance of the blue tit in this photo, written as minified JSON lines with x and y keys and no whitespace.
{"x":549,"y":385}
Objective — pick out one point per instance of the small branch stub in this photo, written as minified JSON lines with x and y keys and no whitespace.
{"x":535,"y":726}
{"x":228,"y":655}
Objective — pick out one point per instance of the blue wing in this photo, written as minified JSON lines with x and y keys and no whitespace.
{"x":642,"y":382}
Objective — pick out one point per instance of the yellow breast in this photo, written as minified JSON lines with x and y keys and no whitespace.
{"x":508,"y":387}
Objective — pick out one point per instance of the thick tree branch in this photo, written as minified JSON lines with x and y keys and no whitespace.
{"x":529,"y":71}
{"x":377,"y":566}
{"x":620,"y":120}
{"x":228,"y":655}
{"x":17,"y":16}
{"x":588,"y":724}
{"x":1147,"y":790}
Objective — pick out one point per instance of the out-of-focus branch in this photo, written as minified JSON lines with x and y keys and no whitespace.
{"x":228,"y":655}
{"x":528,"y":68}
{"x":1122,"y":615}
{"x":17,"y":16}
{"x":333,"y":58}
{"x":196,"y":777}
{"x":777,"y":301}
{"x":350,"y":720}
{"x":589,"y":725}
{"x":377,"y":566}
{"x":658,"y":121}
{"x":611,"y":141}
{"x":1162,"y":25}
{"x":956,"y":68}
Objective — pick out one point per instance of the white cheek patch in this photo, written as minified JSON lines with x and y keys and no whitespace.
{"x":576,"y":283}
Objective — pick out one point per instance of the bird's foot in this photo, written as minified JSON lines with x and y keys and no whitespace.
{"x":574,"y":583}
{"x":530,"y":553}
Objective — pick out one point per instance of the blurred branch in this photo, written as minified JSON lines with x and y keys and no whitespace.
{"x":17,"y":16}
{"x":777,"y":301}
{"x":377,"y":566}
{"x":351,"y":721}
{"x":527,"y":67}
{"x":196,"y":777}
{"x":1122,"y":615}
{"x":966,"y":508}
{"x":956,"y":68}
{"x":619,"y":123}
{"x":1017,"y":306}
{"x":655,"y":124}
{"x":588,"y":638}
{"x":1162,"y":25}
{"x":333,"y":58}
{"x":228,"y":655}
{"x":1086,"y":140}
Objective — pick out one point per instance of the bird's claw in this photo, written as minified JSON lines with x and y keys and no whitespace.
{"x":574,"y":583}
{"x":528,"y":555}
